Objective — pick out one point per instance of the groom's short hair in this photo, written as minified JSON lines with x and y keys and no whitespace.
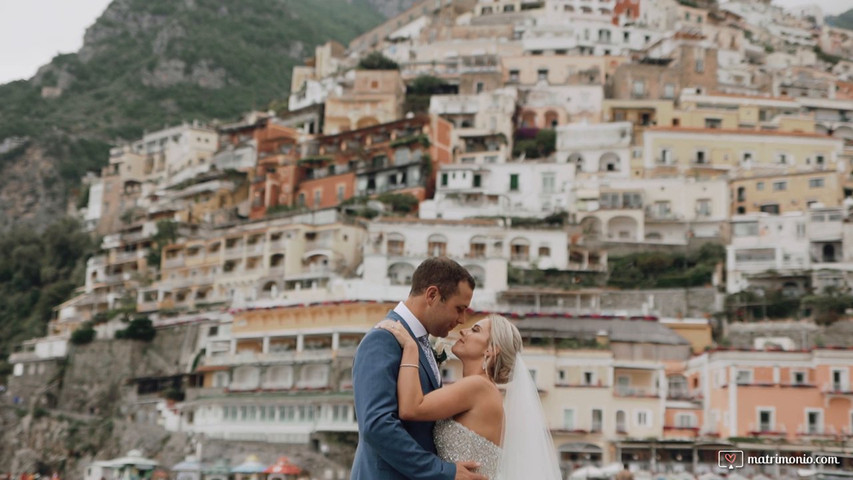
{"x":442,"y":272}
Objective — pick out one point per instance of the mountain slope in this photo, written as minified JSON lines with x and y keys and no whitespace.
{"x":845,"y":20}
{"x":149,"y":63}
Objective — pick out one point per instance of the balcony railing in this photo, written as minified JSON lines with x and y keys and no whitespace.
{"x":767,"y":429}
{"x":636,"y":392}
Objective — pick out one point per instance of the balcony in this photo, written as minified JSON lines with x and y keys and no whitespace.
{"x":838,"y":389}
{"x":173,"y":262}
{"x":767,"y":430}
{"x":636,"y":392}
{"x":816,"y":431}
{"x":124,"y":257}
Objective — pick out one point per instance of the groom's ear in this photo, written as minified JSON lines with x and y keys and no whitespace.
{"x":432,"y":293}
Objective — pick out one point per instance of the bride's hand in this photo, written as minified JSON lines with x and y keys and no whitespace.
{"x":398,"y":330}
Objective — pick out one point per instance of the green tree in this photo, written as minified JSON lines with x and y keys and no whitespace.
{"x":377,"y":61}
{"x":83,"y":335}
{"x":167,"y":233}
{"x":139,"y":329}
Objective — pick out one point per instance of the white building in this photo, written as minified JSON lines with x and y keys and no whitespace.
{"x":596,"y":149}
{"x":763,"y":242}
{"x":487,"y":248}
{"x":484,"y":113}
{"x":313,"y":92}
{"x":561,"y":34}
{"x":521,"y":189}
{"x":666,"y":210}
{"x":169,"y":156}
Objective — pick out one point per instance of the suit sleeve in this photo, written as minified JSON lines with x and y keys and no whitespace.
{"x":375,"y":369}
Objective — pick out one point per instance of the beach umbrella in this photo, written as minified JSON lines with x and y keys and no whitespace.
{"x":282,"y":469}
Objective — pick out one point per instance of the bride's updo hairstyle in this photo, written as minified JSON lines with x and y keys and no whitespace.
{"x":506,"y":340}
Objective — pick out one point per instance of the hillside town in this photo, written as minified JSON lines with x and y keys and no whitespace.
{"x":658,"y":193}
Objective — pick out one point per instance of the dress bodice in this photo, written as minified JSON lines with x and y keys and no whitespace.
{"x":457,"y":443}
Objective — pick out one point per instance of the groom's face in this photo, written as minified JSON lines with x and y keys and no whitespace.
{"x":446,"y":314}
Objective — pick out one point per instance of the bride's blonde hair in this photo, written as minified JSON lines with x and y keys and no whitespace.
{"x":506,"y":341}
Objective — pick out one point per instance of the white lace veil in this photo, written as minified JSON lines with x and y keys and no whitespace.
{"x":528,"y":450}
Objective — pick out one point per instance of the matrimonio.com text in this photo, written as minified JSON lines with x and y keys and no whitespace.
{"x":792,"y":460}
{"x":732,"y":459}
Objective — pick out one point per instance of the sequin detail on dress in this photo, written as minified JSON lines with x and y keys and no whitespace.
{"x":456,"y":443}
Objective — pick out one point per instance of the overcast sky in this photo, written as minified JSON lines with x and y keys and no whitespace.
{"x":34,"y":31}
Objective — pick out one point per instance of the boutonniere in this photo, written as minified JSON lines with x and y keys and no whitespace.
{"x":439,"y":353}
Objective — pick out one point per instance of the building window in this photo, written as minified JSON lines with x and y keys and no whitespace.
{"x":819,"y":160}
{"x":597,"y":416}
{"x":662,"y":209}
{"x":642,"y":418}
{"x":480,"y":87}
{"x":780,"y":186}
{"x":544,"y":252}
{"x":341,"y":190}
{"x":703,"y":207}
{"x":713,"y":123}
{"x":626,"y":37}
{"x":669,"y":91}
{"x":700,"y":157}
{"x":839,"y":380}
{"x":814,"y":421}
{"x":744,"y":377}
{"x":782,"y":159}
{"x":765,"y":420}
{"x":300,"y":199}
{"x":478,"y":180}
{"x":318,"y":196}
{"x":685,"y":420}
{"x":620,"y":422}
{"x":548,"y":182}
{"x":799,"y":378}
{"x":513,"y":76}
{"x":639,"y":88}
{"x":771,"y":208}
{"x":588,"y":378}
{"x":759,"y":186}
{"x":700,"y":63}
{"x":513,"y":182}
{"x":443,"y":179}
{"x":569,"y":419}
{"x":542,"y":75}
{"x":816,"y":183}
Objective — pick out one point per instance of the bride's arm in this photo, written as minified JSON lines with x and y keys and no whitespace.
{"x":444,"y":402}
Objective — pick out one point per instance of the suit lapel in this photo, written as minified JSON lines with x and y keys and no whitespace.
{"x":424,"y":361}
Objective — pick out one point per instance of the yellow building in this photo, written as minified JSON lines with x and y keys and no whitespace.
{"x":733,"y":150}
{"x":376,"y":97}
{"x":559,"y":69}
{"x":790,"y":192}
{"x":281,"y":375}
{"x":273,"y":259}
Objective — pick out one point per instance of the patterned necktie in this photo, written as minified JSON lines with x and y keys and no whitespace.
{"x":424,"y":341}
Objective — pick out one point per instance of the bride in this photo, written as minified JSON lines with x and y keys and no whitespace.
{"x":506,"y":435}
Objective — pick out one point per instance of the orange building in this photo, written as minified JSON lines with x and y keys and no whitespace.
{"x":799,"y":399}
{"x":397,"y":157}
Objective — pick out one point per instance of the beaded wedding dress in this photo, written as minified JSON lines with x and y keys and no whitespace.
{"x":528,"y":450}
{"x":456,"y":443}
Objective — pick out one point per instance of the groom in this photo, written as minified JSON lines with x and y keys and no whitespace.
{"x":389,"y":448}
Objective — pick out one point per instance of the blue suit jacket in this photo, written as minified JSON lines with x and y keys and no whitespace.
{"x":390,"y":448}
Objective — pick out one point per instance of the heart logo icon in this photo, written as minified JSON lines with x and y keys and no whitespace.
{"x":730,"y":457}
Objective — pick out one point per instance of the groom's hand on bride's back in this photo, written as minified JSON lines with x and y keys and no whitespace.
{"x":467,"y":471}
